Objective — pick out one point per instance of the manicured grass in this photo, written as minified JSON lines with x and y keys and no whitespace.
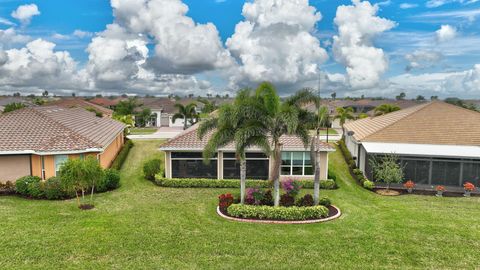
{"x":142,"y":131}
{"x":145,"y":226}
{"x":331,"y":131}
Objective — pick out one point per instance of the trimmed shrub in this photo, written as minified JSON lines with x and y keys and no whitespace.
{"x":267,"y":198}
{"x":110,"y":181}
{"x":306,"y":200}
{"x":277,"y":213}
{"x":122,"y":155}
{"x":231,"y":183}
{"x":23,"y":185}
{"x":287,"y":200}
{"x":151,"y":168}
{"x":7,"y":188}
{"x":53,"y":189}
{"x":224,"y":201}
{"x":325,"y":201}
{"x":368,"y":184}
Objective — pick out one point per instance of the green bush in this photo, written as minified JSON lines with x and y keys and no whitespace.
{"x":277,"y":213}
{"x":122,"y":155}
{"x":152,"y":168}
{"x":26,"y":184}
{"x":231,"y":183}
{"x":325,"y":201}
{"x":110,"y":181}
{"x":53,"y":189}
{"x":306,"y":200}
{"x":368,"y":184}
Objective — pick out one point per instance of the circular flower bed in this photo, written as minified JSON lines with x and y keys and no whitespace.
{"x":332,"y":213}
{"x":258,"y":206}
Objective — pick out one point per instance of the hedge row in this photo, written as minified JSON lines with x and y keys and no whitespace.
{"x":230,"y":183}
{"x":52,"y":188}
{"x":122,"y":155}
{"x":277,"y":213}
{"x":354,"y":171}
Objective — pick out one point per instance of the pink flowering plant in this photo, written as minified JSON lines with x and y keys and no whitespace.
{"x":255,"y":195}
{"x":291,"y":187}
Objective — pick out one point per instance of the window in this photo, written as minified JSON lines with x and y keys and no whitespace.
{"x":296,"y":163}
{"x":191,"y":165}
{"x":257,"y":166}
{"x":59,"y":160}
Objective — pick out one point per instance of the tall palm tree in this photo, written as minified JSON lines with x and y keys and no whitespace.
{"x":321,"y":120}
{"x":385,"y":109}
{"x":344,"y":114}
{"x":235,"y":123}
{"x":188,"y":113}
{"x":278,"y":119}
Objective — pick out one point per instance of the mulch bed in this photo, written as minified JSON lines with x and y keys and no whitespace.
{"x":428,"y":192}
{"x":332,"y":211}
{"x":86,"y":206}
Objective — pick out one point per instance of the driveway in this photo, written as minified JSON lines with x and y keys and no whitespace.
{"x":161,"y":133}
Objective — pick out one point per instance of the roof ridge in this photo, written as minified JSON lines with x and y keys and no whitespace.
{"x":64,"y":126}
{"x":422,"y":106}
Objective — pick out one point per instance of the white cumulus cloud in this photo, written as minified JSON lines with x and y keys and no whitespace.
{"x":181,"y":45}
{"x":275,"y":42}
{"x":357,"y":25}
{"x":446,"y":33}
{"x":422,"y":59}
{"x":24,"y":13}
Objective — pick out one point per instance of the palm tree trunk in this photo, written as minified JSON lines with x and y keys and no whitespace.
{"x":243,"y":177}
{"x":316,"y":183}
{"x":184,"y":122}
{"x":277,"y":159}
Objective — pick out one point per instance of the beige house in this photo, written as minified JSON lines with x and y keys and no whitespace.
{"x":36,"y":141}
{"x":184,"y":159}
{"x":437,"y":143}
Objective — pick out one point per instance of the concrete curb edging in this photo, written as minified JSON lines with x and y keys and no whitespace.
{"x":339,"y":213}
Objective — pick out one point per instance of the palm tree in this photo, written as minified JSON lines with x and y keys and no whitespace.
{"x":320,"y":120}
{"x":344,"y":114}
{"x":188,"y":113}
{"x":277,"y":119}
{"x":385,"y":109}
{"x":233,"y":124}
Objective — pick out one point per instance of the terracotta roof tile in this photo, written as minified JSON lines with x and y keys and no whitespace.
{"x":188,"y":140}
{"x":430,"y":123}
{"x":53,"y":129}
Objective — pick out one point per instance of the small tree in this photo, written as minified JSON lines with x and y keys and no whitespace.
{"x":387,"y":169}
{"x":80,"y":175}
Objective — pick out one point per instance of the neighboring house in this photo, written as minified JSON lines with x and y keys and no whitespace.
{"x":359,"y":106}
{"x":162,"y":109}
{"x":9,"y":100}
{"x":184,"y":159}
{"x":36,"y":141}
{"x":105,"y":102}
{"x":81,"y":103}
{"x":438,"y":143}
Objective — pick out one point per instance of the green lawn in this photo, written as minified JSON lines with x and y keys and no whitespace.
{"x":331,"y":131}
{"x":142,"y":131}
{"x":145,"y":226}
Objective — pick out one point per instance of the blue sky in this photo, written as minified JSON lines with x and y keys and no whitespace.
{"x":411,"y":46}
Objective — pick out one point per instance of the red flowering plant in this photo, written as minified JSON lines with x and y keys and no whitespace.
{"x":469,"y":186}
{"x":440,"y":188}
{"x":224,"y":201}
{"x":254,"y":196}
{"x":409,"y":184}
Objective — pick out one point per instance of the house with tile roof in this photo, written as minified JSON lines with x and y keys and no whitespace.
{"x":81,"y":103}
{"x":437,"y":143}
{"x":37,"y":140}
{"x":184,"y":159}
